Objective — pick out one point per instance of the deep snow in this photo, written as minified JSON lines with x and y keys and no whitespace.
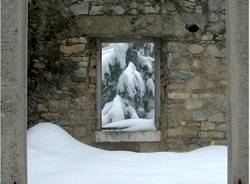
{"x":55,"y":157}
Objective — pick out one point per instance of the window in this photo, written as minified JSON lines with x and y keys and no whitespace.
{"x":128,"y":85}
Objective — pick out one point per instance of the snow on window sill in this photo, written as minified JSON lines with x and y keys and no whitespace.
{"x":126,"y":136}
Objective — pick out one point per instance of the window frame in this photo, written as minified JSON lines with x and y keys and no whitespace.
{"x":99,"y":42}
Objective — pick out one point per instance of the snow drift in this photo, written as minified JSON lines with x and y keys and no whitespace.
{"x":55,"y":157}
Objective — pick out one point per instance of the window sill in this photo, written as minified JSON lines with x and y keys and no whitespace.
{"x":122,"y":136}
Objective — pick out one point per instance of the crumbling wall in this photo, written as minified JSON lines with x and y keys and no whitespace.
{"x":62,"y":66}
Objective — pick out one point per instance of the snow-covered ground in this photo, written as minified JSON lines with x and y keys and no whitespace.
{"x":54,"y":157}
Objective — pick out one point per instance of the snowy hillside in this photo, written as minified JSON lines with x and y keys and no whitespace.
{"x":55,"y":157}
{"x":128,"y":88}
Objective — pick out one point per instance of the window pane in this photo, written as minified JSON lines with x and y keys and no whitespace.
{"x":128,"y":86}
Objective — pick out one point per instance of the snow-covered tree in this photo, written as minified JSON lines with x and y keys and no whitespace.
{"x":128,"y":88}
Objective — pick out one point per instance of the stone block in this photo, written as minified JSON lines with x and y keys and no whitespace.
{"x":195,"y":49}
{"x":181,"y":76}
{"x":96,"y":10}
{"x":119,"y":10}
{"x":199,"y":116}
{"x":50,"y":116}
{"x":80,"y":9}
{"x":216,"y":135}
{"x":216,"y":5}
{"x":42,"y":108}
{"x":79,"y":131}
{"x":53,"y":105}
{"x":218,"y":28}
{"x":217,"y":117}
{"x":72,"y":49}
{"x":222,"y":127}
{"x":122,"y":136}
{"x":179,"y":95}
{"x":207,"y":126}
{"x":193,"y":104}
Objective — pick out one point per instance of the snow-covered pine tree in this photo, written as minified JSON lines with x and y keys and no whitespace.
{"x":127,"y":81}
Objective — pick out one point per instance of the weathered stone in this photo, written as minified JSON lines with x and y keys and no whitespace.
{"x":42,"y":108}
{"x":179,"y":95}
{"x":92,"y":63}
{"x":221,"y":127}
{"x":50,"y":116}
{"x":182,"y":75}
{"x":150,"y":9}
{"x":78,"y":48}
{"x":203,"y":134}
{"x":133,"y":5}
{"x":39,"y":66}
{"x":119,"y":10}
{"x":213,"y":51}
{"x":195,"y":49}
{"x":96,"y":10}
{"x":217,"y":117}
{"x":207,"y":36}
{"x":199,"y":116}
{"x":92,"y":72}
{"x":195,"y":83}
{"x":80,"y":9}
{"x":193,"y":104}
{"x":79,"y":131}
{"x":207,"y":126}
{"x":216,"y":135}
{"x":219,"y":28}
{"x":83,"y":64}
{"x":77,"y":40}
{"x":53,"y":105}
{"x":216,"y":5}
{"x":81,"y":72}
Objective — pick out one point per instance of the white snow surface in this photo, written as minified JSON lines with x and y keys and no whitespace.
{"x":55,"y":157}
{"x":132,"y":125}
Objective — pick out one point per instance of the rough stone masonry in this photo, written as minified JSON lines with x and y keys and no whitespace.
{"x":63,"y":58}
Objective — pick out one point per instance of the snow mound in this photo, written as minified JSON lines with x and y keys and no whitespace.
{"x":55,"y":157}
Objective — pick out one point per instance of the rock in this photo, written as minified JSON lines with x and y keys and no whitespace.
{"x":92,"y":63}
{"x":80,"y":9}
{"x":203,"y":134}
{"x":199,"y":116}
{"x":53,"y":106}
{"x":92,"y":72}
{"x":198,"y":9}
{"x":216,"y":5}
{"x":216,"y":135}
{"x":73,"y":49}
{"x":195,"y":83}
{"x":181,"y":75}
{"x":77,"y":40}
{"x":218,"y":28}
{"x":119,"y":10}
{"x":213,"y":51}
{"x":50,"y":116}
{"x":39,"y":66}
{"x":79,"y":131}
{"x":217,"y":117}
{"x":42,"y":108}
{"x":221,"y":127}
{"x":195,"y":49}
{"x":81,"y":72}
{"x":96,"y":10}
{"x":133,"y":5}
{"x":207,"y":126}
{"x":150,"y":9}
{"x":207,"y":37}
{"x":83,"y":64}
{"x":179,"y":95}
{"x":193,"y":104}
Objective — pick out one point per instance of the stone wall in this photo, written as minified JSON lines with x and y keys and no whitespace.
{"x":62,"y":66}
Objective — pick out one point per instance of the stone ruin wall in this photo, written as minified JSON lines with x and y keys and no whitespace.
{"x":62,"y":66}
